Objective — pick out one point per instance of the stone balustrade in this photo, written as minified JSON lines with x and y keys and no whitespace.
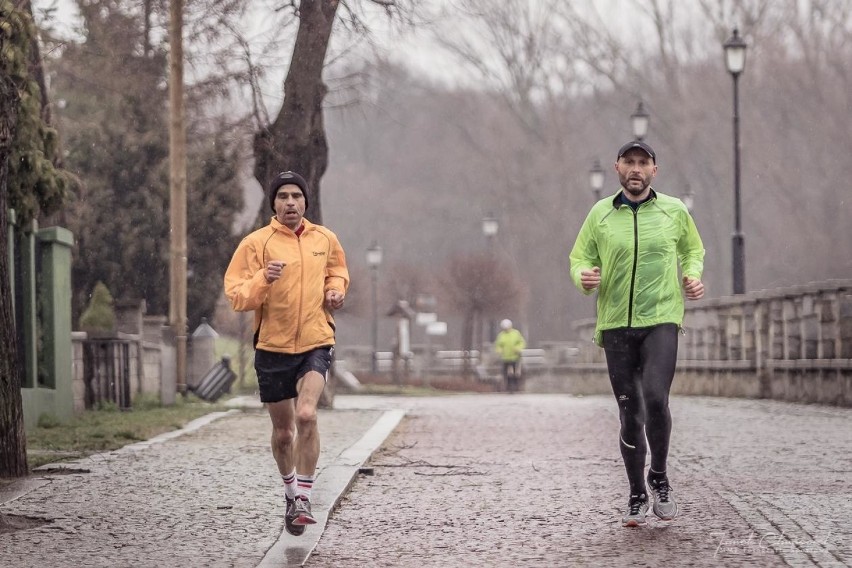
{"x":791,"y":344}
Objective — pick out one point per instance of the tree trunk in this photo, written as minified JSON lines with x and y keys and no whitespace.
{"x":296,"y":139}
{"x":177,"y":192}
{"x":13,"y":446}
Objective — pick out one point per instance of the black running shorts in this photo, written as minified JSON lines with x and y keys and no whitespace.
{"x":278,"y":373}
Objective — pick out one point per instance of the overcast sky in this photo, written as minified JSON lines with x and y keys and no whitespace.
{"x":415,"y":48}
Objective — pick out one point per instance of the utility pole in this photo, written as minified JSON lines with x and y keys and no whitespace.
{"x":177,"y":192}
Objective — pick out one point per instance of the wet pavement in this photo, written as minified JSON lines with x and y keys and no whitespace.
{"x":208,"y":496}
{"x":462,"y":480}
{"x":537,"y":480}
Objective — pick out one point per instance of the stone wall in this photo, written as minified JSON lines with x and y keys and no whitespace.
{"x":792,"y":344}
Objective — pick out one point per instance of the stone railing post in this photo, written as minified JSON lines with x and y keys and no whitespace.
{"x":792,"y":339}
{"x":809,"y":327}
{"x":844,"y":336}
{"x":55,"y":245}
{"x":749,"y":332}
{"x":761,"y":321}
{"x":828,"y":316}
{"x":775,"y":332}
{"x":28,"y":307}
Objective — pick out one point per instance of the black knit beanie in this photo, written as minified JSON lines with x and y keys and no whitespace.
{"x":285,"y":178}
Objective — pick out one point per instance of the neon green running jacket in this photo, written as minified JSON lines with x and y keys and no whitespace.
{"x":638,"y":254}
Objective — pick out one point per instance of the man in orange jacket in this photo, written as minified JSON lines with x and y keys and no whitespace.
{"x":292,"y":274}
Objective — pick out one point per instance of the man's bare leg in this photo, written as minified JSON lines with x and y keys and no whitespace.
{"x":295,"y":436}
{"x":310,"y":389}
{"x":283,"y":416}
{"x":307,"y":448}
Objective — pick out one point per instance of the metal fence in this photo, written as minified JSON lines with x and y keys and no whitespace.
{"x":106,"y":372}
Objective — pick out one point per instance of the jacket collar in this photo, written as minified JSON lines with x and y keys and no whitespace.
{"x":278,"y":226}
{"x":616,"y":200}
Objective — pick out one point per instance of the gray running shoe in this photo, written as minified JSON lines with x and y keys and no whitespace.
{"x":302,"y":509}
{"x":637,"y":507}
{"x":665,"y":506}
{"x":290,"y":517}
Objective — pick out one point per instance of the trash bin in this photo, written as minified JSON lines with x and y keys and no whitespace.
{"x":215,"y":382}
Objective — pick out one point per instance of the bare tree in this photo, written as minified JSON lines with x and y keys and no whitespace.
{"x":296,"y":138}
{"x":406,"y":281}
{"x":514,"y":48}
{"x":795,"y":87}
{"x":478,"y":285}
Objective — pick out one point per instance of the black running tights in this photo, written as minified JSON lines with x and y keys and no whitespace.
{"x":641,"y":363}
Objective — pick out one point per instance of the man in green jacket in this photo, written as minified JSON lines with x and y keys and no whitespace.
{"x":629,"y":249}
{"x":509,"y":344}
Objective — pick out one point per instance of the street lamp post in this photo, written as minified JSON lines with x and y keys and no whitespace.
{"x":490,"y":226}
{"x":596,"y":179}
{"x":735,"y":56}
{"x":374,"y":259}
{"x":639,"y":121}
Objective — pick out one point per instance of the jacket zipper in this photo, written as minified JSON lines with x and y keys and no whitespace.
{"x":635,"y":264}
{"x":301,"y":294}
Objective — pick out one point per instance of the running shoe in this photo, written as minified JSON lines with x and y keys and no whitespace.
{"x":290,"y":518}
{"x":665,"y":506}
{"x":637,"y":507}
{"x":302,"y":509}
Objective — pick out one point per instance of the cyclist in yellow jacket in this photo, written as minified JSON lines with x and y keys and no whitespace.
{"x":509,"y":344}
{"x":292,"y":274}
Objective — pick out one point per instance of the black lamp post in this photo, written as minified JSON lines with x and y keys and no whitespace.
{"x":735,"y":57}
{"x":596,"y":179}
{"x":490,"y":227}
{"x":639,"y":121}
{"x":374,"y":259}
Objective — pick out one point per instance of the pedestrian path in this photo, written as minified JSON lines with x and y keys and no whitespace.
{"x":204,"y":496}
{"x":461,"y":480}
{"x":333,"y":481}
{"x":537,"y":480}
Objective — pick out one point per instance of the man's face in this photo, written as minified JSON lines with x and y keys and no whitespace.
{"x":290,"y":205}
{"x":635,"y":171}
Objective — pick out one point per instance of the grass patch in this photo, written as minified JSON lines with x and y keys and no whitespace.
{"x":108,"y":429}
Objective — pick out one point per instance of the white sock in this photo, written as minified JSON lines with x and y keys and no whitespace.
{"x":304,"y":484}
{"x":290,"y":484}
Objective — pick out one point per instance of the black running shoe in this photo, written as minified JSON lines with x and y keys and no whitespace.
{"x":665,"y":506}
{"x":637,"y":507}
{"x":302,"y":509}
{"x":290,"y":518}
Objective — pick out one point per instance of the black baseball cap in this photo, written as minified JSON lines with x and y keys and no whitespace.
{"x":641,"y":146}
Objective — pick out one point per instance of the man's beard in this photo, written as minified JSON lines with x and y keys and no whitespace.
{"x":637,"y":191}
{"x":632,"y":189}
